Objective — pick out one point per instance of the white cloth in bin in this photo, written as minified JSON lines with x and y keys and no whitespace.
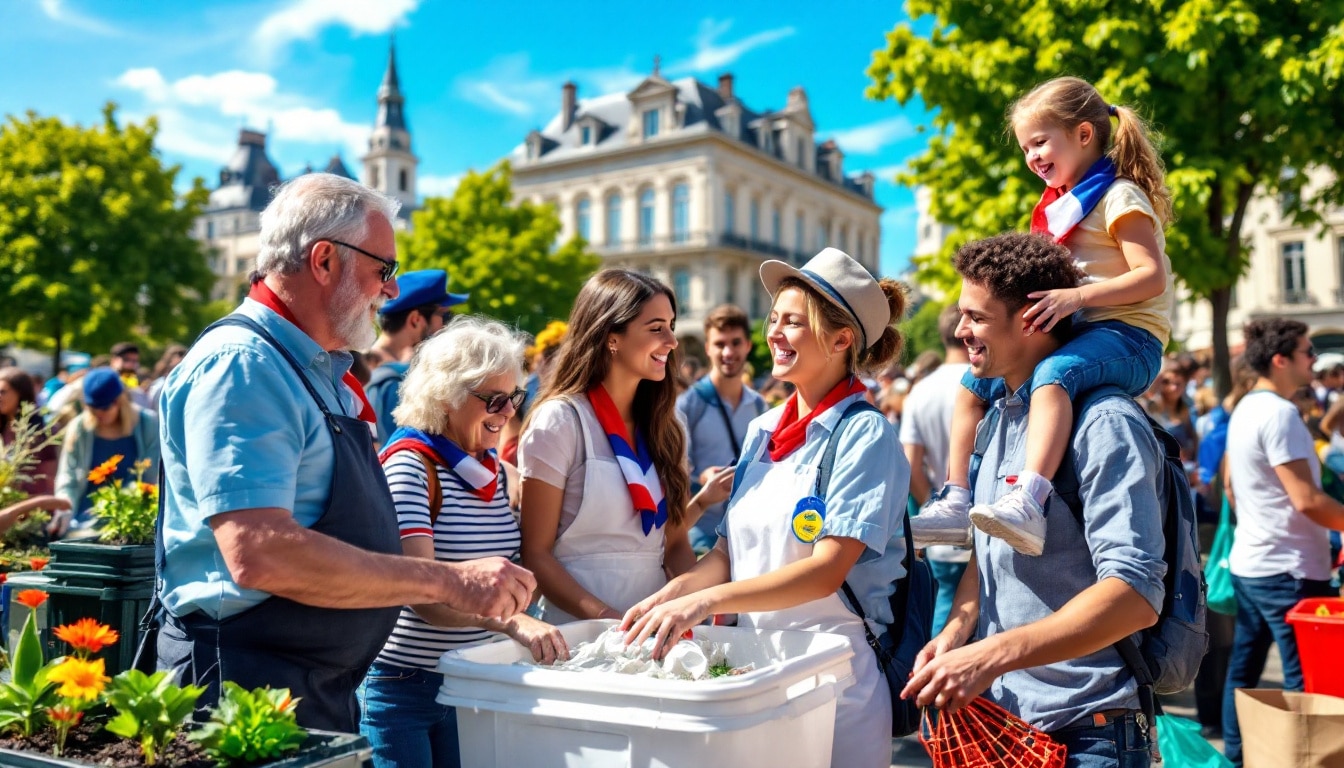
{"x":687,"y":660}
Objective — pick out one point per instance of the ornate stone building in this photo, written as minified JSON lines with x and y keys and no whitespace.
{"x":232,"y":218}
{"x":686,"y":182}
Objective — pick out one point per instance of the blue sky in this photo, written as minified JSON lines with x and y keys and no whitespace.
{"x":477,"y":75}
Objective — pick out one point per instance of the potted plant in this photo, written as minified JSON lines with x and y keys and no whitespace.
{"x":110,"y":578}
{"x":24,"y":543}
{"x":67,"y":713}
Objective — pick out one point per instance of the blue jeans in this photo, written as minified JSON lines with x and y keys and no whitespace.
{"x":947,"y":576}
{"x":1262,"y":605}
{"x":1121,"y":743}
{"x":403,"y":723}
{"x":1100,"y":353}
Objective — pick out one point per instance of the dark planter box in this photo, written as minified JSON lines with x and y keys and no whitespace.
{"x":323,"y":748}
{"x":112,"y":584}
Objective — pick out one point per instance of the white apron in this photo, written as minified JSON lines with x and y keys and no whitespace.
{"x":605,"y":548}
{"x":761,"y":540}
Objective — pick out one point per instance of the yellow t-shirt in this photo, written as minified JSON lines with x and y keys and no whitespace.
{"x":1098,"y":254}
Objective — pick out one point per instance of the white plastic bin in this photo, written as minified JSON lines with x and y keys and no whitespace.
{"x":780,"y":715}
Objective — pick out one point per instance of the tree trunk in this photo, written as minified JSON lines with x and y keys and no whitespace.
{"x":1221,"y":300}
{"x":56,"y":356}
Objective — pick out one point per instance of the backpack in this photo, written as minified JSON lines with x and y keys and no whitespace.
{"x":384,"y":381}
{"x":911,"y":602}
{"x":1167,"y":655}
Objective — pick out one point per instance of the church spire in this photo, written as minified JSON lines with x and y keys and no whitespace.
{"x":390,"y":100}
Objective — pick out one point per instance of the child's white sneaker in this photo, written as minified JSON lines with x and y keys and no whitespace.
{"x":1016,"y":518}
{"x":944,"y":519}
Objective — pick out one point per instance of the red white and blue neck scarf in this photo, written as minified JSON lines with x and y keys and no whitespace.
{"x":646,"y":490}
{"x":1059,"y":212}
{"x":481,"y":478}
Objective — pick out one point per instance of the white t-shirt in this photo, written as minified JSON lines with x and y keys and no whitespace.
{"x":926,"y":419}
{"x":1272,"y":537}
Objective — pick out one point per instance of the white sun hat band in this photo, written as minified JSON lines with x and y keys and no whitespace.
{"x":835,"y":296}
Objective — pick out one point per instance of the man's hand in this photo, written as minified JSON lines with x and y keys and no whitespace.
{"x":950,"y":678}
{"x":492,"y":587}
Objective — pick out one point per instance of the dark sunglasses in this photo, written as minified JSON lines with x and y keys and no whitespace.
{"x":389,"y":270}
{"x":495,"y":403}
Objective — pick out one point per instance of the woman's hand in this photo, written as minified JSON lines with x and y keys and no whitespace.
{"x":718,"y":489}
{"x":666,"y":623}
{"x":1051,"y":307}
{"x":544,"y":640}
{"x":670,"y":591}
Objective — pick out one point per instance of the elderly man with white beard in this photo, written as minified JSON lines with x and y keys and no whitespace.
{"x":278,"y":555}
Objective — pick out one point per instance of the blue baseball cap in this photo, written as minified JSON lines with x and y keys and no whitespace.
{"x":420,"y":288}
{"x":102,"y":387}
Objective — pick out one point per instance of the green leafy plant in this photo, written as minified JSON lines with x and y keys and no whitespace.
{"x":719,"y":670}
{"x":150,"y":709}
{"x":251,"y":726}
{"x":29,"y":693}
{"x":127,"y":510}
{"x":18,"y":458}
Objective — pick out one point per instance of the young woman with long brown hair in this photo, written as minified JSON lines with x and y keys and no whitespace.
{"x":605,"y":486}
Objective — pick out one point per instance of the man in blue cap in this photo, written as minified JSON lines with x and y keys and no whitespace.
{"x":417,"y":313}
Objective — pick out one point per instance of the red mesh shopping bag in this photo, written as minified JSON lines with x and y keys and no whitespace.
{"x":984,"y":735}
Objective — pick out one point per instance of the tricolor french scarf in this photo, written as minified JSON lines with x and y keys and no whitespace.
{"x":791,"y":432}
{"x":1059,"y":212}
{"x":641,"y":477}
{"x":262,"y":294}
{"x":481,"y":477}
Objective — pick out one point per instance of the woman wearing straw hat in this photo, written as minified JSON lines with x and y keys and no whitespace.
{"x":830,"y":322}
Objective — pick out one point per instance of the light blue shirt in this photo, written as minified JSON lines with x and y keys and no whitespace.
{"x":865,"y":499}
{"x":240,"y":431}
{"x":708,"y":443}
{"x":1119,"y":462}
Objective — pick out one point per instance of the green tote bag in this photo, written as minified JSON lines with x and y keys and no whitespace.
{"x":1216,"y":571}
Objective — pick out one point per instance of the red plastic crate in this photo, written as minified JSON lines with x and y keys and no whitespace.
{"x":1319,"y":640}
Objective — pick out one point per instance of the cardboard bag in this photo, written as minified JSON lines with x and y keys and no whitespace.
{"x":1281,"y":729}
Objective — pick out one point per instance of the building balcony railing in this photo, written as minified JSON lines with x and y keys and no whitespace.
{"x":1297,"y":298}
{"x":1339,"y":296}
{"x":701,"y":240}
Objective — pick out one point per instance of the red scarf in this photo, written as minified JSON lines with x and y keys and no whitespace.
{"x":262,"y":294}
{"x":791,"y":433}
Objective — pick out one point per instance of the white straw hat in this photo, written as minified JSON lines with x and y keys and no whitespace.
{"x":842,"y":281}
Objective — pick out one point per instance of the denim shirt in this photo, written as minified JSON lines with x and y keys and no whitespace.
{"x":1118,"y":461}
{"x":239,"y":431}
{"x":865,"y":499}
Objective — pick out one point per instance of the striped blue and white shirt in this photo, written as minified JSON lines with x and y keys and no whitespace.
{"x":466,"y":529}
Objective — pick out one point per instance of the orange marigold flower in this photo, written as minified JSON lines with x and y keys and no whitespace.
{"x":148,"y":489}
{"x":38,"y":563}
{"x":80,"y":679}
{"x":31,"y":598}
{"x":87,"y":635}
{"x":101,"y":472}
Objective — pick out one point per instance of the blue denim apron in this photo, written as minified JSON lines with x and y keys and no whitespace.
{"x":319,"y":654}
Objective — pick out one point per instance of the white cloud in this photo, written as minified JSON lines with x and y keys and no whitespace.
{"x":185,"y":106}
{"x":508,"y":85}
{"x":874,"y":137}
{"x":438,"y":186}
{"x":710,"y":54}
{"x":303,"y":19}
{"x":58,"y":11}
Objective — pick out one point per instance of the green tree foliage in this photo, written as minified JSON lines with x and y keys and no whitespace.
{"x":921,"y":331}
{"x":1244,"y":92}
{"x":94,"y":244}
{"x":500,"y":252}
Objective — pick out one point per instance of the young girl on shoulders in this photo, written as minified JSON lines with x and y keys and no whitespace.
{"x":1106,"y":201}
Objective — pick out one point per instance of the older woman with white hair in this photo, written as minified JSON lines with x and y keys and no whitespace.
{"x":449,"y":487}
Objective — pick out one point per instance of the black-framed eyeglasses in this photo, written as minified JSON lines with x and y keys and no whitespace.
{"x":495,"y":403}
{"x":389,"y":266}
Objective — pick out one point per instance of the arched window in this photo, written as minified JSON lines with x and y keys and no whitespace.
{"x":582,"y":219}
{"x":646,"y":217}
{"x":681,"y":213}
{"x":729,"y":211}
{"x":614,"y":219}
{"x":403,"y":180}
{"x":775,"y":226}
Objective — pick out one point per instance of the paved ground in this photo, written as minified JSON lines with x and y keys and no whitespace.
{"x":908,"y":752}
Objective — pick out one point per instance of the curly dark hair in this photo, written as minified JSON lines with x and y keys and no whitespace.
{"x":1014,"y":264}
{"x":1269,"y":337}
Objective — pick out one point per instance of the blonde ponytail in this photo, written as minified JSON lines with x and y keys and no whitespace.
{"x":1136,"y":158}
